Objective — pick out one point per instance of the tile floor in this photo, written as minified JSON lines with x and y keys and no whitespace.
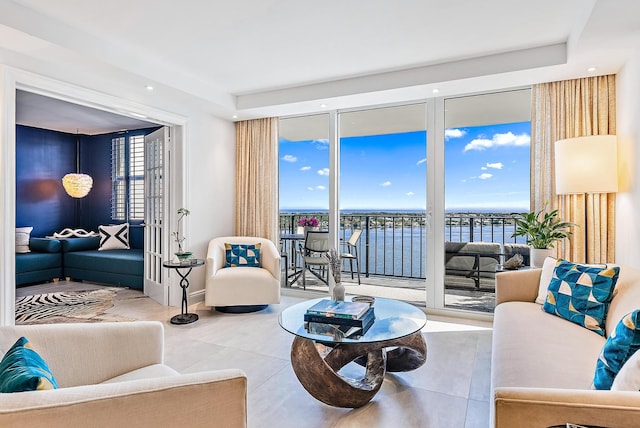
{"x":451,"y":390}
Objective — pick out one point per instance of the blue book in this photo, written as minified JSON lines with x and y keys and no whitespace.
{"x":368,"y":317}
{"x":339,"y":309}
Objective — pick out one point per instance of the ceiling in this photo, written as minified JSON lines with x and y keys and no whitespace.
{"x":253,"y":58}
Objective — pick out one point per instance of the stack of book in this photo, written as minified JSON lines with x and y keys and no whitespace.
{"x":348,"y":316}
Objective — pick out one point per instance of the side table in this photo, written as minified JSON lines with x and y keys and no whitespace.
{"x":189,"y":264}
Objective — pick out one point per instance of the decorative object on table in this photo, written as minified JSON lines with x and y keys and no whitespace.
{"x":364,"y":299}
{"x":77,"y":185}
{"x":542,"y":230}
{"x":515,"y":262}
{"x":334,"y":266}
{"x":74,"y":233}
{"x":308,"y":223}
{"x":363,"y":321}
{"x":179,"y":238}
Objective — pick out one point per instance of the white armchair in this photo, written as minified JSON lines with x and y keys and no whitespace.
{"x":242,"y":289}
{"x":112,"y":374}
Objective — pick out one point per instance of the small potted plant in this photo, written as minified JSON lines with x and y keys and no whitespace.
{"x":542,"y":230}
{"x":179,"y":238}
{"x":307,"y":223}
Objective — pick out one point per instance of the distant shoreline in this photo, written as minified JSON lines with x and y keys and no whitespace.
{"x":407,"y":211}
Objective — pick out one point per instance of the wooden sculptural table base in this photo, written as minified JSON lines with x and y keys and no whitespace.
{"x":317,"y":370}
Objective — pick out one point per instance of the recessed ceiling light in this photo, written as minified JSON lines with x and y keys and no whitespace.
{"x":235,"y":116}
{"x":436,"y":90}
{"x":149,"y":88}
{"x":591,"y":69}
{"x":323,"y":105}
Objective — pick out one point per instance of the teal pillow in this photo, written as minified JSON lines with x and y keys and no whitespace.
{"x":619,"y":347}
{"x":22,"y":369}
{"x":242,"y":255}
{"x":581,"y":293}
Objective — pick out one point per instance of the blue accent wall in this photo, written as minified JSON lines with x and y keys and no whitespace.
{"x":43,"y":157}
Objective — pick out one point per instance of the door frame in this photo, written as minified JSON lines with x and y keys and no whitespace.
{"x":12,"y":79}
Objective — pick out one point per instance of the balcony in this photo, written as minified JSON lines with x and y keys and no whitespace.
{"x":392,"y":255}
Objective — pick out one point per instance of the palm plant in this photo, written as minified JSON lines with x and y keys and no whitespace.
{"x":542,"y":229}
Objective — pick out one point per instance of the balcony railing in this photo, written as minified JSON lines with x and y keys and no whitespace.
{"x":395,"y":244}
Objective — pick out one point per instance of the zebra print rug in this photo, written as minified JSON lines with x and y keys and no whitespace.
{"x":69,"y":306}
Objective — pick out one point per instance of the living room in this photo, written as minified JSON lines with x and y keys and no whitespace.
{"x":62,"y":52}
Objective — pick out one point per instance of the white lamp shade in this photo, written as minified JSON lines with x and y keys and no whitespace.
{"x":77,"y":185}
{"x":586,"y":165}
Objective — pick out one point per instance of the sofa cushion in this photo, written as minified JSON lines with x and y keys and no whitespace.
{"x":80,"y":244}
{"x":620,"y":346}
{"x":628,"y":378}
{"x":23,"y":369}
{"x":129,"y":262}
{"x":45,"y":245}
{"x":30,"y":262}
{"x":242,"y":255}
{"x":581,"y":294}
{"x":534,"y":349}
{"x":115,"y":237}
{"x":545,"y":279}
{"x":22,"y":239}
{"x":148,"y":372}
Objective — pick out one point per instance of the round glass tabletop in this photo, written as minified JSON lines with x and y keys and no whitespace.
{"x":393,"y":319}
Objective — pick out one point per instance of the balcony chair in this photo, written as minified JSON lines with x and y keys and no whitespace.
{"x":352,"y":251}
{"x":240,"y":289}
{"x":314,"y":256}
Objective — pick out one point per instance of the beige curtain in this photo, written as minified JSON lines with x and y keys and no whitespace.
{"x":567,"y":109}
{"x":257,"y":211}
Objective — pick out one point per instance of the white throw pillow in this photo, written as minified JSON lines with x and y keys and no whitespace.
{"x":22,"y":239}
{"x":628,"y":378}
{"x":114,"y":237}
{"x":545,"y":279}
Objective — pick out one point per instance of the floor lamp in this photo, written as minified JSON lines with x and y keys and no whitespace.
{"x":586,"y":165}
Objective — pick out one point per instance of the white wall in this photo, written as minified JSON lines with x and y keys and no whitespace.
{"x":628,"y":131}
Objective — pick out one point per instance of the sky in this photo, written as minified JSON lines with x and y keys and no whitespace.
{"x":486,"y":168}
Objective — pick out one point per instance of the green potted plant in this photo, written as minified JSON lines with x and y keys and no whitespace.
{"x":542,"y":230}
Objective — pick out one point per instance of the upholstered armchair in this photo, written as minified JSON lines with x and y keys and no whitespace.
{"x":240,"y":288}
{"x":113,"y":375}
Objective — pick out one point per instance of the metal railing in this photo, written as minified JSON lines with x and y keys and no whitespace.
{"x":394,"y":244}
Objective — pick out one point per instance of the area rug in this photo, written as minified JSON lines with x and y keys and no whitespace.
{"x":68,"y":307}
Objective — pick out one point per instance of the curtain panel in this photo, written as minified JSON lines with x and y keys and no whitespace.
{"x":568,"y":109}
{"x":257,"y":212}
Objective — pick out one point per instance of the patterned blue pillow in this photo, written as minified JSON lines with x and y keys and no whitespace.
{"x":619,"y":347}
{"x":581,"y":294}
{"x":22,"y":369}
{"x":242,"y":255}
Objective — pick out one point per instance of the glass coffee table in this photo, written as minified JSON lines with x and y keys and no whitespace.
{"x":392,"y":343}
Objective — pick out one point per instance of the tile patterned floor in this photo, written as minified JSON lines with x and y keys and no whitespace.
{"x":451,"y":390}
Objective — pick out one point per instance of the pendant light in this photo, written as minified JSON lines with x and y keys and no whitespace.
{"x":77,"y":185}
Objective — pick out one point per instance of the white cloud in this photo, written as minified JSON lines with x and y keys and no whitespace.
{"x":485,"y":176}
{"x":321,"y":187}
{"x":323,"y":171}
{"x":310,"y":189}
{"x":454,"y":133}
{"x":386,"y":184}
{"x":496,"y":165}
{"x":421,"y":161}
{"x":321,"y":144}
{"x":410,"y":193}
{"x":483,"y":168}
{"x":499,"y":140}
{"x":305,"y":168}
{"x":289,"y":158}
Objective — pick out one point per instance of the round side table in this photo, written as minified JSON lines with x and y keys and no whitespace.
{"x":189,"y":264}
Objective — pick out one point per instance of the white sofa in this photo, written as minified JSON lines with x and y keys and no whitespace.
{"x":112,"y":375}
{"x":543,"y":366}
{"x":242,"y":287}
